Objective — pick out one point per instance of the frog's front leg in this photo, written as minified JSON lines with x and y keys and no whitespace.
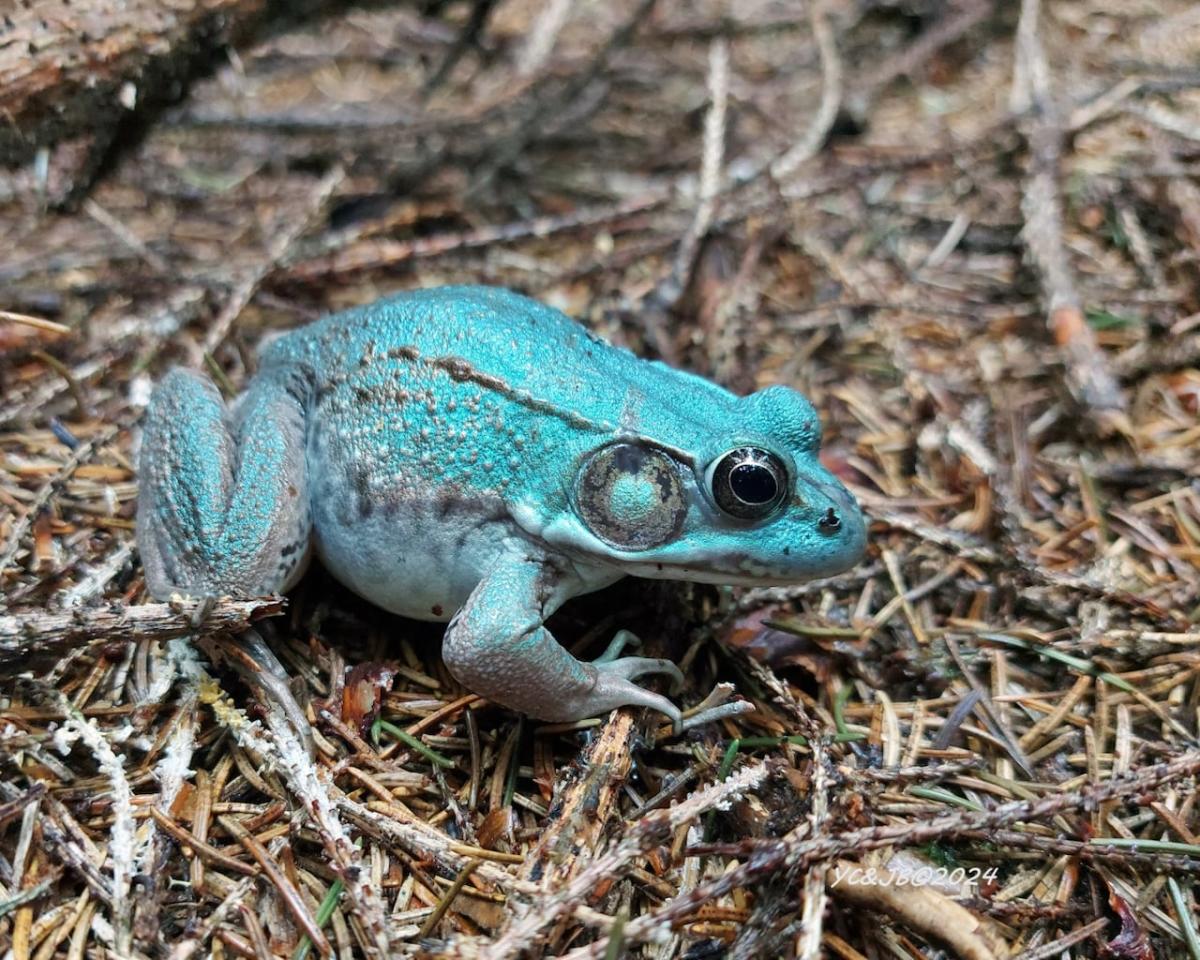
{"x":223,"y":499}
{"x":498,"y":647}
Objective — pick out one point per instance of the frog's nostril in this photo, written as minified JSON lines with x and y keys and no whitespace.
{"x":830,"y":522}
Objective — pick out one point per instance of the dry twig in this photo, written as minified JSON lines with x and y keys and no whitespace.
{"x":1087,"y":368}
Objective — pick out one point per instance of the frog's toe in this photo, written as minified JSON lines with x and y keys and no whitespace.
{"x":205,"y":603}
{"x":630,"y":668}
{"x":621,"y":639}
{"x":614,"y":688}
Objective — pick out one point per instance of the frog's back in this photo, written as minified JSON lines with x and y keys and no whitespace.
{"x":509,"y":343}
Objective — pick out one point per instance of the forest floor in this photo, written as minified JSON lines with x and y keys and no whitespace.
{"x":968,"y":231}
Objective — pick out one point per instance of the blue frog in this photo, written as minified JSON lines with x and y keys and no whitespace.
{"x":466,"y":454}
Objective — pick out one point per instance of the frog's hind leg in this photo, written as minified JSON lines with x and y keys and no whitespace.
{"x":222,"y":499}
{"x":497,"y":647}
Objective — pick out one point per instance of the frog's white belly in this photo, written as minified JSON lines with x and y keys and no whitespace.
{"x":419,"y":555}
{"x":422,"y":557}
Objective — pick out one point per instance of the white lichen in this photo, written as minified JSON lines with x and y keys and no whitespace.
{"x":121,"y":836}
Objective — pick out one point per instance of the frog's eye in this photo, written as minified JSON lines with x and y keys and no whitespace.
{"x":748,"y":483}
{"x":631,"y":497}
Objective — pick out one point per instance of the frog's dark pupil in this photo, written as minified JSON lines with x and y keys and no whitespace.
{"x":753,"y":483}
{"x":748,"y":483}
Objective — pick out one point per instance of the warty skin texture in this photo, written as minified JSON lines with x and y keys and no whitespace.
{"x":468,"y":454}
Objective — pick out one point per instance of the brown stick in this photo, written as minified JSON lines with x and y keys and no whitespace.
{"x":922,"y":908}
{"x":584,"y":802}
{"x":200,"y":848}
{"x":288,"y":894}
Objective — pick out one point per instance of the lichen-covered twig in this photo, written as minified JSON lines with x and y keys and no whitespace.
{"x":540,"y":41}
{"x":312,"y":787}
{"x":584,"y":803}
{"x":711,"y":163}
{"x":610,"y":864}
{"x":172,"y":772}
{"x":285,"y":748}
{"x":765,"y":858}
{"x":812,"y":911}
{"x":121,"y":833}
{"x":24,"y":632}
{"x":818,"y":128}
{"x":390,"y":823}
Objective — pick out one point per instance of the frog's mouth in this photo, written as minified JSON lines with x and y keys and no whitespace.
{"x":737,"y":568}
{"x":741,"y":570}
{"x":829,"y":541}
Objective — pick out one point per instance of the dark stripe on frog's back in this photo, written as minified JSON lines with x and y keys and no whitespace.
{"x":548,"y":362}
{"x":399,"y":430}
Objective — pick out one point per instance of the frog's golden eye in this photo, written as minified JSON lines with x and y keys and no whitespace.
{"x":748,"y":483}
{"x":631,"y":496}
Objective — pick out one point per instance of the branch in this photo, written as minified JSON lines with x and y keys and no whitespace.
{"x":526,"y":930}
{"x":766,"y":858}
{"x":33,"y":631}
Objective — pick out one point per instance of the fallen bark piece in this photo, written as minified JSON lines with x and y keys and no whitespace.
{"x":583,"y":804}
{"x":81,"y":69}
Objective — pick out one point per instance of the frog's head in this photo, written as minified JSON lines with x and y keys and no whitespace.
{"x":750,"y":504}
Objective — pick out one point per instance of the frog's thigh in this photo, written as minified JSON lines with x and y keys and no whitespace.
{"x":497,"y":647}
{"x":222,"y":500}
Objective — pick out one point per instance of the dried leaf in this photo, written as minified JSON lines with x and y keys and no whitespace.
{"x":1132,"y":942}
{"x":363,"y":694}
{"x":778,"y":648}
{"x":496,"y":827}
{"x":44,"y":551}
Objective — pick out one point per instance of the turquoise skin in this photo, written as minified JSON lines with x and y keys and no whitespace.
{"x":468,"y":454}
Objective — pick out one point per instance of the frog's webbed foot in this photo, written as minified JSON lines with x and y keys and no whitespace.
{"x":497,"y":647}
